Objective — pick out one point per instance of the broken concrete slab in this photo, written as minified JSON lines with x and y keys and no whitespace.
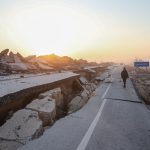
{"x":56,"y":94}
{"x":93,"y":87}
{"x":74,"y":104}
{"x":52,"y":94}
{"x":78,"y":101}
{"x":88,"y":88}
{"x":24,"y":125}
{"x":46,"y":109}
{"x":83,"y":80}
{"x":84,"y":95}
{"x":45,"y":94}
{"x":42,"y":105}
{"x":9,"y":145}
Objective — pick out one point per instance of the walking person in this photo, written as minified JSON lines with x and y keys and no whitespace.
{"x":124,"y":76}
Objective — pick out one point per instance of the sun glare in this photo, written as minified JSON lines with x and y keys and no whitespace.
{"x":53,"y":29}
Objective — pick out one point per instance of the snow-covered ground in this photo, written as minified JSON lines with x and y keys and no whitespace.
{"x":17,"y":84}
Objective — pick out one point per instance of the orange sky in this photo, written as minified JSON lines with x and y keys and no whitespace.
{"x":95,"y":30}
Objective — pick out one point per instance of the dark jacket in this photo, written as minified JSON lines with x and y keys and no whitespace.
{"x":124,"y":74}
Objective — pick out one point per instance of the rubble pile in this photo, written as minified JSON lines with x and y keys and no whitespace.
{"x":11,"y":62}
{"x":29,"y":123}
{"x":81,"y":99}
{"x":35,"y":115}
{"x":24,"y":125}
{"x":15,"y":63}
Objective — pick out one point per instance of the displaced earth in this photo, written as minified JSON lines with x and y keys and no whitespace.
{"x":11,"y":63}
{"x":142,"y":85}
{"x":68,"y":92}
{"x":34,"y":95}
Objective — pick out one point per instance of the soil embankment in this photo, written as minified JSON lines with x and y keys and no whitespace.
{"x":141,"y":81}
{"x":142,"y":86}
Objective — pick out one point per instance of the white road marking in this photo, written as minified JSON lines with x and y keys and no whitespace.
{"x":87,"y":136}
{"x":103,"y":96}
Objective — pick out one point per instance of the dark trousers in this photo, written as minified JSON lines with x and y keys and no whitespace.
{"x":124,"y":81}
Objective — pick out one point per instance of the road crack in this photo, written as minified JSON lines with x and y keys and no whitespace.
{"x":125,"y":100}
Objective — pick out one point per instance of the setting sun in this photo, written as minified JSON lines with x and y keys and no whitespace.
{"x":97,"y":30}
{"x":53,"y":29}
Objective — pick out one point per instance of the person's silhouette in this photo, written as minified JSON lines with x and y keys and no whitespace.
{"x":124,"y":76}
